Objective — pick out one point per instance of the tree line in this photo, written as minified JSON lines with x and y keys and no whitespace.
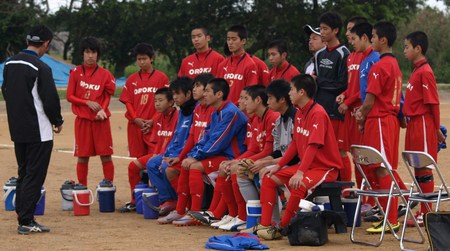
{"x":167,"y":24}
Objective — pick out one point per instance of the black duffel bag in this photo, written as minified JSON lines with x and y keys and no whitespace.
{"x":437,"y":226}
{"x":311,"y":228}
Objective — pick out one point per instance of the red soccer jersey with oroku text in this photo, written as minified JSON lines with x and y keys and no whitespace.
{"x":139,"y":91}
{"x":286,"y":72}
{"x":163,"y":129}
{"x":239,"y":71}
{"x":90,"y":84}
{"x":200,"y":62}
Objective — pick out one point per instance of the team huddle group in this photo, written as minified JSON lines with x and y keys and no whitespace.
{"x":256,"y":134}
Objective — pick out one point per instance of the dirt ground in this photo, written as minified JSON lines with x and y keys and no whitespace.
{"x":116,"y":231}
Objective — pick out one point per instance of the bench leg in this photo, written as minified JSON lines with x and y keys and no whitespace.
{"x":336,"y":205}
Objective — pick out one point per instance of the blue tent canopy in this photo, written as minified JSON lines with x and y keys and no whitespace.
{"x":60,"y":70}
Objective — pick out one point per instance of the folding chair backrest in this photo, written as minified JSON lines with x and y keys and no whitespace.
{"x":366,"y":155}
{"x":415,"y":159}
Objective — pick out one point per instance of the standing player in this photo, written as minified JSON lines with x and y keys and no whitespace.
{"x":138,"y":95}
{"x":278,"y":52}
{"x":204,"y":60}
{"x":238,"y":69}
{"x":164,"y":124}
{"x":378,"y":114}
{"x":33,"y":109}
{"x":315,"y":43}
{"x":422,"y":108}
{"x":331,"y":77}
{"x":315,"y":144}
{"x":89,"y":90}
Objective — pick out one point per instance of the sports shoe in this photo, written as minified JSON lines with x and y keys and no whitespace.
{"x":172,"y":216}
{"x":377,"y":229}
{"x":186,"y":220}
{"x":402,"y":208}
{"x":33,"y":227}
{"x":233,"y":224}
{"x":167,"y":207}
{"x":254,"y":229}
{"x":129,"y":207}
{"x":365,"y":208}
{"x":373,"y":215}
{"x":269,"y":233}
{"x":204,"y":217}
{"x":225,"y":220}
{"x":419,"y":219}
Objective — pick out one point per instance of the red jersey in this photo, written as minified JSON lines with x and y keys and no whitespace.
{"x":239,"y":71}
{"x":421,"y":91}
{"x":261,"y":142}
{"x":249,"y":129}
{"x":313,"y":126}
{"x":263,"y":70}
{"x":200,"y":62}
{"x":139,"y":91}
{"x":385,"y":83}
{"x":352,"y":97}
{"x":163,"y":129}
{"x":287,"y":72}
{"x":90,"y":84}
{"x":201,"y":119}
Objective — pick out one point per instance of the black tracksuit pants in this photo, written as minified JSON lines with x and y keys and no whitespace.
{"x":33,"y":160}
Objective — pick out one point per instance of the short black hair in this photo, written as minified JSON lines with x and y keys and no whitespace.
{"x":220,"y":84}
{"x":280,"y":44}
{"x":144,"y":49}
{"x":91,"y":43}
{"x":240,"y":30}
{"x":226,"y":50}
{"x":259,"y":90}
{"x":279,"y":88}
{"x":204,"y":30}
{"x":387,"y":30}
{"x":362,"y":29}
{"x":181,"y":84}
{"x":203,"y":78}
{"x":305,"y":82}
{"x":332,"y":19}
{"x":38,"y":35}
{"x":165,"y":91}
{"x":418,"y":38}
{"x":357,"y":20}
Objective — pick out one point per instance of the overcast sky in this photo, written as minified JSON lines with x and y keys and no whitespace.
{"x":55,"y":4}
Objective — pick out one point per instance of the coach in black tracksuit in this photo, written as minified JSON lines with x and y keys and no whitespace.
{"x":34,"y":112}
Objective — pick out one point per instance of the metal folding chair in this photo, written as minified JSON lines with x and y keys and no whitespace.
{"x":413,"y":160}
{"x":365,"y":156}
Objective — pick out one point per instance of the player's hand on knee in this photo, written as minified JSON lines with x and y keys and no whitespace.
{"x":295,"y":181}
{"x":273,"y":170}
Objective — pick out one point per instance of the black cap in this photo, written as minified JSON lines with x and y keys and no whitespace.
{"x":40,"y":34}
{"x":308,"y":29}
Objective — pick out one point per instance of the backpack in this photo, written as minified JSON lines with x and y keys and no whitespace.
{"x":437,"y":225}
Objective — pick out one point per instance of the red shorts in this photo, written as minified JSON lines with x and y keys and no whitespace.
{"x":138,"y":143}
{"x":421,"y":135}
{"x":312,"y":178}
{"x":210,"y":164}
{"x":339,"y":132}
{"x":351,"y":131}
{"x":383,"y":134}
{"x":92,"y":138}
{"x":144,"y":159}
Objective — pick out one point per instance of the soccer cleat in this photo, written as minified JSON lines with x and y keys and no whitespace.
{"x":233,"y":224}
{"x":269,"y":233}
{"x":402,"y":208}
{"x":129,"y":207}
{"x":373,"y":215}
{"x":419,"y":219}
{"x":204,"y":217}
{"x":33,"y":227}
{"x":167,"y":207}
{"x":186,"y":220}
{"x":254,"y":229}
{"x":172,"y":216}
{"x":225,"y":220}
{"x":378,"y":229}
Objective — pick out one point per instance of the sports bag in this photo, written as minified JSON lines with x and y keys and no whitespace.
{"x":437,"y":225}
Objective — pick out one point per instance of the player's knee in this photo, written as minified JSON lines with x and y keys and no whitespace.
{"x":172,"y":173}
{"x":196,"y":166}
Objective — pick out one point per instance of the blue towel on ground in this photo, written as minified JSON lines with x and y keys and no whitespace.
{"x":236,"y":242}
